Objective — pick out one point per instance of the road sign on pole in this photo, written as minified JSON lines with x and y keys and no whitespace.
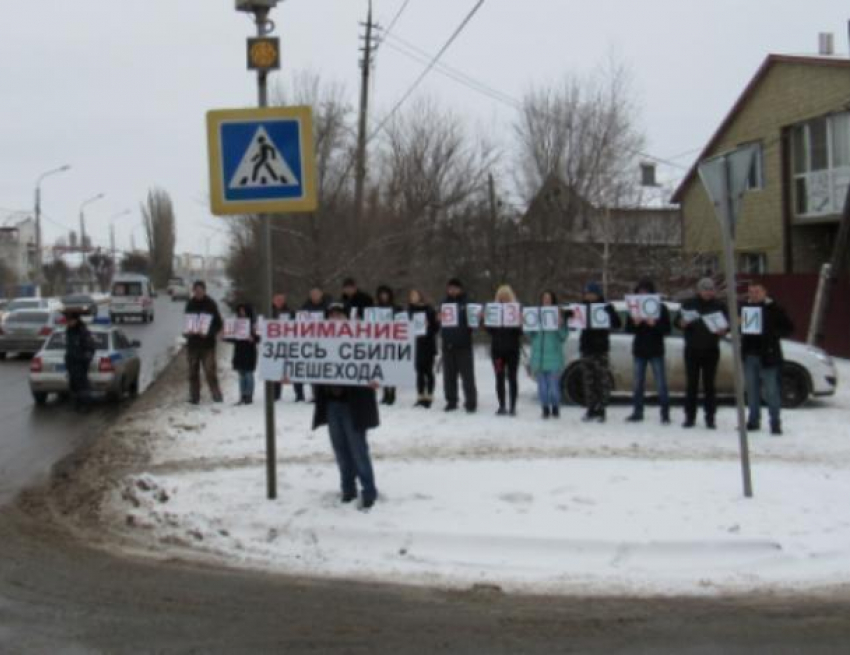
{"x":261,"y":160}
{"x":725,"y":179}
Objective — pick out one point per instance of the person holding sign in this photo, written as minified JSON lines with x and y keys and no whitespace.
{"x":650,"y":324}
{"x":200,"y":343}
{"x":245,"y":355}
{"x":763,"y":324}
{"x":424,"y":319}
{"x":458,"y":359}
{"x":547,"y":361}
{"x":702,"y":331}
{"x":282,"y":311}
{"x":354,"y":300}
{"x":505,"y":346}
{"x":386,"y":299}
{"x":594,"y":345}
{"x":349,"y":412}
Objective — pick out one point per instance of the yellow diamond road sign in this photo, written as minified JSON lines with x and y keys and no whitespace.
{"x":261,"y":160}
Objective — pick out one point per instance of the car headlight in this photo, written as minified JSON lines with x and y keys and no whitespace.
{"x":821,"y":355}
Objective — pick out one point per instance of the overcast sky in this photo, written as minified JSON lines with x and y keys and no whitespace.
{"x":119,"y":89}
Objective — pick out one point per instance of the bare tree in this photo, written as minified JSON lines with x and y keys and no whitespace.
{"x":160,"y":230}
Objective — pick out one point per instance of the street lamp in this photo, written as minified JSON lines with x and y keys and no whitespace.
{"x":54,"y":171}
{"x":99,"y":196}
{"x":112,"y":232}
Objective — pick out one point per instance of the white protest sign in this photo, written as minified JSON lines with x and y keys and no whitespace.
{"x":237,"y":328}
{"x":644,"y":306}
{"x":600,"y":319}
{"x":549,"y":319}
{"x":578,"y":317}
{"x":197,"y":324}
{"x":317,"y":316}
{"x":420,"y":324}
{"x":716,"y":322}
{"x":346,"y":353}
{"x":473,"y":315}
{"x":378,"y":314}
{"x":493,"y":314}
{"x":401,"y":316}
{"x":302,"y":316}
{"x":690,"y":315}
{"x":449,"y":315}
{"x":512,"y":315}
{"x":531,"y":319}
{"x":204,"y":324}
{"x":751,"y":320}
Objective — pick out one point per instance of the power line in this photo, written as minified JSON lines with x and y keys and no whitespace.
{"x":397,"y":16}
{"x":428,"y":68}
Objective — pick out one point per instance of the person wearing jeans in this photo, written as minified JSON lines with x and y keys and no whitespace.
{"x":648,"y":352}
{"x":764,"y":324}
{"x":245,"y":356}
{"x":547,"y":362}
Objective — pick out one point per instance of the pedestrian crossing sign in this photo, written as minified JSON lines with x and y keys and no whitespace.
{"x":261,"y":160}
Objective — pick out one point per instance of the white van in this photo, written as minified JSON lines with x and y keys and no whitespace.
{"x":132,"y":295}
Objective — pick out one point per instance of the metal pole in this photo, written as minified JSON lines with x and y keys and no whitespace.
{"x":732,"y":305}
{"x":360,"y":156}
{"x":82,"y":231}
{"x":38,"y":262}
{"x":271,"y":448}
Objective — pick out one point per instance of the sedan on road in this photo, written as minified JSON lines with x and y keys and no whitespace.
{"x":81,"y":302}
{"x":114,"y":370}
{"x":806,"y":371}
{"x":26,"y":330}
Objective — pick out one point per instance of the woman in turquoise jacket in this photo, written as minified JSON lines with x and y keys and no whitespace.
{"x":547,"y":361}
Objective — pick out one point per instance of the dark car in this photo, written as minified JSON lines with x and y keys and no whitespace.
{"x":81,"y":302}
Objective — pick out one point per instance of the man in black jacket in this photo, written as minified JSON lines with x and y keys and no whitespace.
{"x":702,"y":349}
{"x":79,"y":352}
{"x":200,"y":348}
{"x":764,"y":324}
{"x":458,"y":359}
{"x":594,"y":345}
{"x":349,"y":412}
{"x":384,"y":297}
{"x":354,"y":300}
{"x":648,"y":351}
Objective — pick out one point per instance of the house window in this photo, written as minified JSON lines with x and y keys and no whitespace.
{"x":821,"y":165}
{"x":756,"y":179}
{"x":753,"y":263}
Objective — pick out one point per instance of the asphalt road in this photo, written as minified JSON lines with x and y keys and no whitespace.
{"x":60,"y":595}
{"x":32,"y":438}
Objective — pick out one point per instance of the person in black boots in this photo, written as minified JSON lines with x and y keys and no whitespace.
{"x":764,"y":324}
{"x":245,"y":356}
{"x":702,"y":332}
{"x":648,"y":351}
{"x":281,"y":311}
{"x":349,"y":412}
{"x":505,"y":346}
{"x":354,"y":300}
{"x":458,"y":358}
{"x":426,"y":348}
{"x":594,"y":345}
{"x":385,"y":298}
{"x":200,"y":348}
{"x":79,"y":352}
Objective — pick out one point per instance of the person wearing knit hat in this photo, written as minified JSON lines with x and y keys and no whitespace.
{"x":702,"y":349}
{"x":594,"y":345}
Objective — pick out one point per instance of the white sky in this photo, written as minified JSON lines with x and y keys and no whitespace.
{"x":119,"y":89}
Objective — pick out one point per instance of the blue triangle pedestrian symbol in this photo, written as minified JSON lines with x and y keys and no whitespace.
{"x":263,"y":166}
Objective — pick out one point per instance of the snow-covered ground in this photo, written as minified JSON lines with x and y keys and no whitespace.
{"x":530,"y":505}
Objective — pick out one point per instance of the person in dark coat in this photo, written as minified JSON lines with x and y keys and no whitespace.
{"x":426,"y":348}
{"x":458,"y":358}
{"x":282,"y":311}
{"x":79,"y":352}
{"x":354,"y":300}
{"x":762,"y":355}
{"x":648,"y":351}
{"x":316,"y":303}
{"x":245,"y":356}
{"x":505,"y":347}
{"x":349,"y":412}
{"x":702,"y":350}
{"x":594,"y":346}
{"x":200,"y":348}
{"x":384,"y":297}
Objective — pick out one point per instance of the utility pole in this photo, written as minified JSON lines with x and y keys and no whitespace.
{"x":360,"y":156}
{"x":39,"y":273}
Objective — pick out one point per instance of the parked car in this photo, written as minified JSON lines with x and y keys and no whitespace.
{"x":26,"y":330}
{"x":82,"y":302}
{"x":114,"y":370}
{"x":132,"y":296}
{"x":177,"y":289}
{"x":806,"y":371}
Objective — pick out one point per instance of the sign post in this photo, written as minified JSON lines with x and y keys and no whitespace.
{"x":262,"y":162}
{"x":725,"y":179}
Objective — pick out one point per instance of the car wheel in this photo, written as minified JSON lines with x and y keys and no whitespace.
{"x":794,"y":387}
{"x":572,"y":385}
{"x":114,"y":395}
{"x":40,"y":397}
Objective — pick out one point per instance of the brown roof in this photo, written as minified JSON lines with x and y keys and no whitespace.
{"x":766,"y":65}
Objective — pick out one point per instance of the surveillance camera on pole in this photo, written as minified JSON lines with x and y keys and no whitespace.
{"x":253,"y":6}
